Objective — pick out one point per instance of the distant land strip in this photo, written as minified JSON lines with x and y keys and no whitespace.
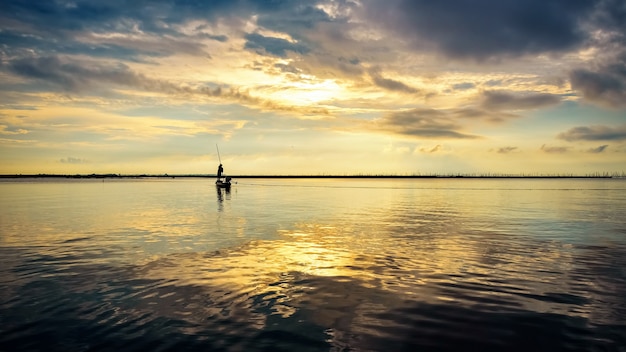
{"x":357,"y":176}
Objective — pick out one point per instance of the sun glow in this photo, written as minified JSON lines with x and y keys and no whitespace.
{"x":307,"y":93}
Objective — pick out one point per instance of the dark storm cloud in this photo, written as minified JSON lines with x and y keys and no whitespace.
{"x":498,"y":100}
{"x":483,"y":29}
{"x":594,"y":133}
{"x":422,"y":123}
{"x":273,"y":46}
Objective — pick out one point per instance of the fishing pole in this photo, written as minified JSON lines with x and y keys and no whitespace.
{"x":218,"y":153}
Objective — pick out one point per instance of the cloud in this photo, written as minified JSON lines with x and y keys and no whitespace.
{"x":606,"y":85}
{"x":478,"y":113}
{"x":597,"y":150}
{"x":435,"y":149}
{"x":602,"y":81}
{"x":422,"y":123}
{"x":11,"y":141}
{"x":498,"y":100}
{"x":484,"y":29}
{"x":130,"y":30}
{"x":72,"y":75}
{"x":76,"y":77}
{"x":73,"y":160}
{"x":463,"y":86}
{"x":594,"y":133}
{"x":506,"y":150}
{"x":6,"y":130}
{"x":120,"y":47}
{"x":56,"y":17}
{"x":461,"y":29}
{"x":436,"y":124}
{"x":391,"y":84}
{"x":554,"y":150}
{"x":273,"y":46}
{"x":291,"y":16}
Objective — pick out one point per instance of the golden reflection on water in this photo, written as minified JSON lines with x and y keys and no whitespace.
{"x":259,"y":263}
{"x":340,"y":282}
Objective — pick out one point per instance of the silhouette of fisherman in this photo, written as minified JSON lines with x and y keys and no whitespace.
{"x":220,"y":169}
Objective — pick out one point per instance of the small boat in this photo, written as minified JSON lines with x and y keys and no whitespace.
{"x":223,"y":183}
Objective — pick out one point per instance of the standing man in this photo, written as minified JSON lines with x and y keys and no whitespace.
{"x":220,"y":169}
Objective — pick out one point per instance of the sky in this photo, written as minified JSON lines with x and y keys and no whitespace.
{"x":370,"y":87}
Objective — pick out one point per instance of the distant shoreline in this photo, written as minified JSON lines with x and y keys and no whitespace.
{"x":470,"y":176}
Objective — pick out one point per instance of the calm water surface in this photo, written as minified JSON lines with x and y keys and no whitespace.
{"x":319,"y":265}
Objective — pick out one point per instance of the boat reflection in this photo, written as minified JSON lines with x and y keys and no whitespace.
{"x":222,"y":193}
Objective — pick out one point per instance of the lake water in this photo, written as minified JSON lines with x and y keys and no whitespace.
{"x":313,"y":265}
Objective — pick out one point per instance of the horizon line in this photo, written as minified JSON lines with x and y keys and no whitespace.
{"x":434,"y":175}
